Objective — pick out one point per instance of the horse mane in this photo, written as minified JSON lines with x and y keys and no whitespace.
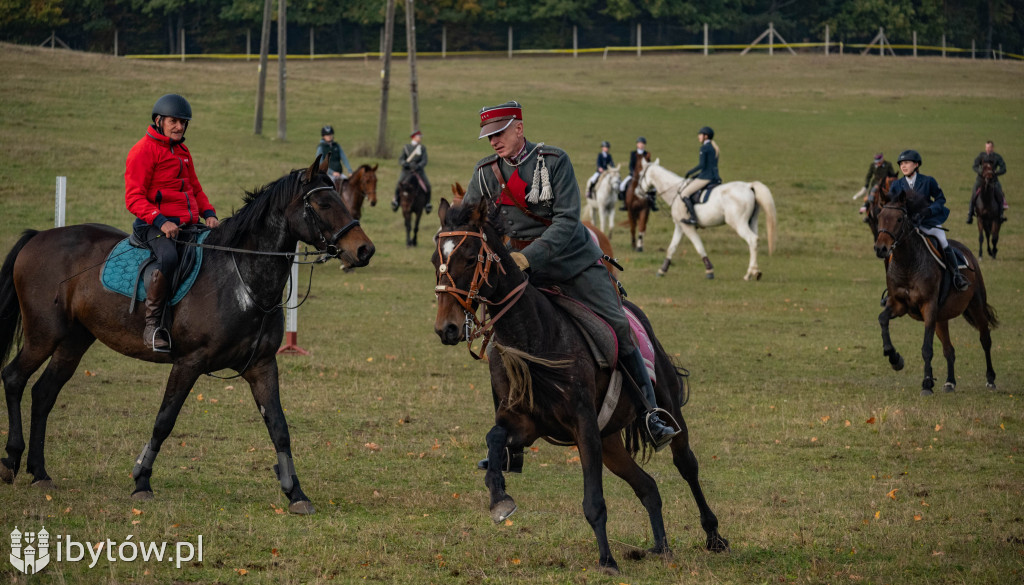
{"x":363,"y":167}
{"x":255,"y":207}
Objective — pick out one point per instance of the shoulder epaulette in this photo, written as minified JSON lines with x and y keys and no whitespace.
{"x":487,"y":160}
{"x":550,"y":150}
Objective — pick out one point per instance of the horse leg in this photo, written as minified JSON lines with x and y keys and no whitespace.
{"x":179,"y":383}
{"x":980,"y":318}
{"x":416,"y":229}
{"x":263,"y":382}
{"x":15,"y":377}
{"x":62,"y":366}
{"x":686,"y":463}
{"x":926,"y":350}
{"x":642,"y":229}
{"x":698,"y":244}
{"x":981,"y":238}
{"x":750,"y":236}
{"x":618,"y":461}
{"x":996,"y":225}
{"x":942,"y":331}
{"x":895,"y":359}
{"x":408,"y":228}
{"x":588,"y":439}
{"x":502,"y":505}
{"x":677,"y":236}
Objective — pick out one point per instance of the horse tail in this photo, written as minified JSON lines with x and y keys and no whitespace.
{"x":764,"y":198}
{"x":10,"y":308}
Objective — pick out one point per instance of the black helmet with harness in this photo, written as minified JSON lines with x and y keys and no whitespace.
{"x":707,"y":131}
{"x":911,"y":155}
{"x":174,"y":106}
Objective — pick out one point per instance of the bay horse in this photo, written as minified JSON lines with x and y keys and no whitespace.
{"x":545,"y":382}
{"x":918,"y":286}
{"x":360,"y":186}
{"x":874,"y":204}
{"x":638,"y":210}
{"x":735,"y":204}
{"x":988,"y":210}
{"x":412,"y":198}
{"x":231,"y":319}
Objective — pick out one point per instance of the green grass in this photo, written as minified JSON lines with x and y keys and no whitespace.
{"x":786,"y":371}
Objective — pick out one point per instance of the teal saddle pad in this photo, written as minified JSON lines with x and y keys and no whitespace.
{"x":121,"y":270}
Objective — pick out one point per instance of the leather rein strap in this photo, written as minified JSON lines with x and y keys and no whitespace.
{"x":482,"y":326}
{"x":518,"y":204}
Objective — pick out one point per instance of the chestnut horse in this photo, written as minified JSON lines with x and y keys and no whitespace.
{"x":231,"y":319}
{"x":637,"y":210}
{"x":987,"y":208}
{"x":361,"y":185}
{"x":918,"y":286}
{"x":545,"y":382}
{"x":412,"y":198}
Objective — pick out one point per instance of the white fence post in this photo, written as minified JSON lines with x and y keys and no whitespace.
{"x":639,"y":37}
{"x":881,"y":42}
{"x":291,"y":320}
{"x":182,"y":44}
{"x":915,"y":43}
{"x":972,"y":49}
{"x":311,"y":46}
{"x":943,"y":45}
{"x":771,"y":38}
{"x":248,"y":44}
{"x":705,"y":39}
{"x":60,"y":205}
{"x":115,"y":42}
{"x":575,"y":43}
{"x":510,"y":41}
{"x":444,"y":41}
{"x":826,"y":40}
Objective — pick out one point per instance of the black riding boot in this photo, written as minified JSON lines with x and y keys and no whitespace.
{"x":428,"y":206}
{"x":959,"y":281}
{"x":652,"y":200}
{"x":970,"y":210}
{"x":394,"y":202}
{"x":691,"y":217}
{"x":513,"y":461}
{"x":154,"y":334}
{"x":658,"y":434}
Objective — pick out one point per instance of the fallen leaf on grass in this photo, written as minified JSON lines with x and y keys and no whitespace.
{"x":937,"y":553}
{"x":878,"y":514}
{"x":846,"y":423}
{"x":136,"y":512}
{"x":372,"y":446}
{"x":892,"y":493}
{"x":276,"y":509}
{"x":573,"y":459}
{"x":870,"y":421}
{"x":938,"y":428}
{"x":88,"y":373}
{"x":68,"y":509}
{"x":274,"y":552}
{"x":508,"y":522}
{"x":826,"y":418}
{"x":200,"y":397}
{"x":917,"y":517}
{"x":242,"y":572}
{"x":535,"y":449}
{"x":516,"y":561}
{"x":48,"y":497}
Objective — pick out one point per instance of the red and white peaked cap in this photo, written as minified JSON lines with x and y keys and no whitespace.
{"x":494,"y":119}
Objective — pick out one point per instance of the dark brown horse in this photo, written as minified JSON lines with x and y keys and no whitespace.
{"x":918,"y":286}
{"x":988,"y":210}
{"x":412,"y":198}
{"x":545,"y":382}
{"x":360,"y":186}
{"x":878,"y":191}
{"x":231,"y":319}
{"x":637,"y":210}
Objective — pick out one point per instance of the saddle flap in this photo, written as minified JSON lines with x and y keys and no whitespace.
{"x":704,"y":194}
{"x":120,"y":272}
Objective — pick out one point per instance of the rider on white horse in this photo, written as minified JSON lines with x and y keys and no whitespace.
{"x":604,"y":161}
{"x":706,"y":172}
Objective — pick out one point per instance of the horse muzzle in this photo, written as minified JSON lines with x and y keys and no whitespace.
{"x":881,"y":250}
{"x":450,"y":333}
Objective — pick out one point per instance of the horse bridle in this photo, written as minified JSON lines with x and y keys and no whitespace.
{"x":317,"y":223}
{"x":475,"y":327}
{"x":895,"y":238}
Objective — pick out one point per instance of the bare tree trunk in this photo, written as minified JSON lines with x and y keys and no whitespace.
{"x":385,"y":80}
{"x":282,"y":58}
{"x":261,"y":85}
{"x":410,"y":39}
{"x":988,"y":35}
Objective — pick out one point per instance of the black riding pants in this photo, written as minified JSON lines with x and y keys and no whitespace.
{"x":163,"y":248}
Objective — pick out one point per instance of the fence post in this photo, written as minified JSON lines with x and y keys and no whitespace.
{"x":881,"y":42}
{"x":381,"y":50}
{"x":61,"y":202}
{"x":771,"y":38}
{"x":311,"y":46}
{"x":1001,"y":51}
{"x":182,"y":44}
{"x":115,"y":42}
{"x":510,"y":41}
{"x":444,"y":41}
{"x":248,"y":43}
{"x":291,"y":315}
{"x":972,"y":49}
{"x":575,"y":42}
{"x":915,"y":43}
{"x":943,"y":45}
{"x":705,"y":39}
{"x":639,"y":37}
{"x":826,"y":40}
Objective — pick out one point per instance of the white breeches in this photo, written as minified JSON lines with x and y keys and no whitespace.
{"x":592,"y":180}
{"x":625,"y":183}
{"x":939,"y":233}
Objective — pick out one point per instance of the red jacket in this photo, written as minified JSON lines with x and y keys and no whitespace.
{"x":160,"y":182}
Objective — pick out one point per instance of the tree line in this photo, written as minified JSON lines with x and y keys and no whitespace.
{"x":220,"y":26}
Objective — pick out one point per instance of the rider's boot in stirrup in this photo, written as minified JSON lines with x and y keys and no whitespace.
{"x":959,"y":281}
{"x":657,"y":433}
{"x":154,"y":334}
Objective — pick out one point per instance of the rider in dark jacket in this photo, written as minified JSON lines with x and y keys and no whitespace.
{"x":989,"y":155}
{"x":706,"y":172}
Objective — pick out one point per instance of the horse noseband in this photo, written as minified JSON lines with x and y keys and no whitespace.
{"x":315,"y":222}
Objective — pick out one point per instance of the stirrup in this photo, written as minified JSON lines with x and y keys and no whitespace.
{"x":513,"y":462}
{"x":152,"y":341}
{"x":661,"y":441}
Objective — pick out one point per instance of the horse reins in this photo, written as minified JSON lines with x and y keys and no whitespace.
{"x":895,"y":239}
{"x":475,"y":327}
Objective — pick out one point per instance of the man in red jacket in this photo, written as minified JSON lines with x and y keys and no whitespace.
{"x":162,"y":191}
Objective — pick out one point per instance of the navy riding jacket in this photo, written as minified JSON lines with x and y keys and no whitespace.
{"x":708,"y":165}
{"x":936,"y":213}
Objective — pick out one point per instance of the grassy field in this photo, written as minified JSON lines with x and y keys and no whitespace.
{"x":822,"y":464}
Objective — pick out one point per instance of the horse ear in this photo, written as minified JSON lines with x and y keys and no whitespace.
{"x":657,"y":161}
{"x":375,"y":167}
{"x":315,"y":168}
{"x":478,"y":217}
{"x":442,"y":209}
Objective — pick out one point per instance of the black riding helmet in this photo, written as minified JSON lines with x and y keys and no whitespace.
{"x":911,"y":155}
{"x":327,"y":130}
{"x":707,"y":131}
{"x":174,"y":106}
{"x":606,"y":143}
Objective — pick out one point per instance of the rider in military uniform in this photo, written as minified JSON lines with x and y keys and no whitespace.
{"x":534,"y":189}
{"x":879,"y":171}
{"x":929,"y":219}
{"x":412,"y":161}
{"x":989,"y":155}
{"x":705,"y":173}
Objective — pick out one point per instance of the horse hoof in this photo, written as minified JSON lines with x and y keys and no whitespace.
{"x":989,"y":385}
{"x":302,"y":508}
{"x":665,"y":553}
{"x":899,"y":363}
{"x":949,"y":387}
{"x":610,"y":570}
{"x":639,"y":248}
{"x":660,"y":273}
{"x":6,"y":473}
{"x":926,"y":392}
{"x":502,"y":510}
{"x":758,"y":275}
{"x":143,"y":495}
{"x":709,"y":275}
{"x":44,"y":484}
{"x":718,"y":544}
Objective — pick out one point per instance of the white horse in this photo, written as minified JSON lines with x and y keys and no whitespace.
{"x":736,"y":204}
{"x":605,"y":199}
